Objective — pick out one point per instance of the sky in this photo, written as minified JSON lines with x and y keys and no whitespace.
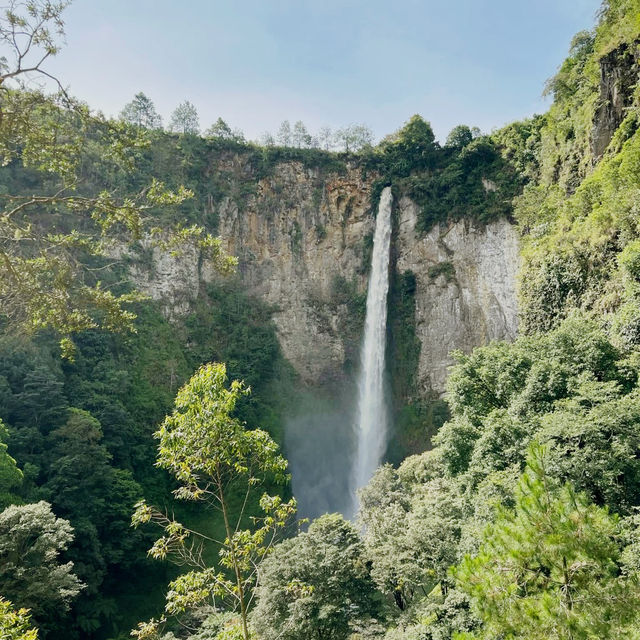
{"x":256,"y":63}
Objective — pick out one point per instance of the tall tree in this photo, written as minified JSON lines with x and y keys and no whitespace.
{"x":10,"y":475}
{"x":284,"y":134}
{"x":219,"y":129}
{"x":355,"y":137}
{"x":301,"y":137}
{"x":31,"y":574}
{"x":550,"y":567}
{"x":459,"y":137}
{"x":210,"y":453}
{"x":326,"y":138}
{"x":141,"y":112}
{"x":316,"y":585}
{"x":185,"y":119}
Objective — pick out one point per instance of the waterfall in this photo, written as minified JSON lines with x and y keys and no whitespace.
{"x":372,"y":408}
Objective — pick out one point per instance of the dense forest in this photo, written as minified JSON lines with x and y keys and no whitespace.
{"x":143,"y":479}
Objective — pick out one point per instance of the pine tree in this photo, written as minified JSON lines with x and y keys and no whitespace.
{"x":550,"y":568}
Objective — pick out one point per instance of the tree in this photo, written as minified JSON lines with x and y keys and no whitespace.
{"x":316,"y":585}
{"x":301,"y":137}
{"x":284,"y":134}
{"x":184,"y":119}
{"x":550,"y":567}
{"x":355,"y":137}
{"x":15,"y":624}
{"x":267,"y":140}
{"x":31,"y":540}
{"x":210,"y":453}
{"x":411,"y":533}
{"x":141,"y":112}
{"x":411,"y":148}
{"x":219,"y":129}
{"x":48,"y":278}
{"x":459,"y":137}
{"x":326,"y":138}
{"x":10,"y":475}
{"x":97,"y":499}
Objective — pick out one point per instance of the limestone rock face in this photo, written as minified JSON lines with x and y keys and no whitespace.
{"x":171,"y":277}
{"x":303,"y":241}
{"x":465,"y":288}
{"x":298,"y":238}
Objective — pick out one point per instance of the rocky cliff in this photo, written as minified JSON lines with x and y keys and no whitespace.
{"x":465,"y":287}
{"x":303,"y":241}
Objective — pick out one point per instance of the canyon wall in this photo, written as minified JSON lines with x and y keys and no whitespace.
{"x":303,"y":241}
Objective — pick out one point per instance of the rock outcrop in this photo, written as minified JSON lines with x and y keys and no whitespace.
{"x":303,"y":241}
{"x":619,"y":75}
{"x":465,"y":287}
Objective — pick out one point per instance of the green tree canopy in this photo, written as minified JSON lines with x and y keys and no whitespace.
{"x":31,"y":574}
{"x":316,"y":585}
{"x":141,"y":112}
{"x":210,"y":453}
{"x":15,"y":624}
{"x":459,"y":137}
{"x":184,"y":119}
{"x":411,"y":148}
{"x":10,"y":475}
{"x":550,"y":567}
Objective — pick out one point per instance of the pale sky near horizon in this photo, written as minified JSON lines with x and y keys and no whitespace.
{"x":333,"y":62}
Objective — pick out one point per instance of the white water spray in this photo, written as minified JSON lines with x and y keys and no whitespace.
{"x":372,"y":407}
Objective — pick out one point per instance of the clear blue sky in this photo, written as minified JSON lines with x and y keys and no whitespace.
{"x":325,"y":62}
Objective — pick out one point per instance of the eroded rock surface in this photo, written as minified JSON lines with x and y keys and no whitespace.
{"x":303,"y":242}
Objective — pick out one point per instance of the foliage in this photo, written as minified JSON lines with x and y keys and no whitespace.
{"x":315,"y":585}
{"x":141,"y":112}
{"x":31,"y":574}
{"x":207,"y":450}
{"x":459,"y":137}
{"x":10,"y":475}
{"x":15,"y":624}
{"x":472,"y":176}
{"x":409,"y":149}
{"x":220,"y":129}
{"x":184,"y":119}
{"x":48,"y":279}
{"x":550,"y":567}
{"x":411,"y":534}
{"x":355,"y":137}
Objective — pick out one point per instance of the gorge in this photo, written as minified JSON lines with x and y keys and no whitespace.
{"x":303,"y":239}
{"x":447,"y":329}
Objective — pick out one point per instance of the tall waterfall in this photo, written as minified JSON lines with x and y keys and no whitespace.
{"x":372,"y":407}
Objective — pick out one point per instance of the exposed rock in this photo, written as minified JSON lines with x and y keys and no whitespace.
{"x":170,"y":277}
{"x":293,"y":240}
{"x":302,"y":237}
{"x":619,"y":74}
{"x":467,"y":305}
{"x":489,"y":185}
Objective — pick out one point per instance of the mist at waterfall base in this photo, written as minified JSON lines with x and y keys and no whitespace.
{"x":332,"y":455}
{"x":319,"y":445}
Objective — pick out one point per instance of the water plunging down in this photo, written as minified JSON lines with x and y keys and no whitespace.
{"x":372,"y":407}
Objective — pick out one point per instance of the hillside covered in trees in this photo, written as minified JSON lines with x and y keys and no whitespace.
{"x":143,"y":481}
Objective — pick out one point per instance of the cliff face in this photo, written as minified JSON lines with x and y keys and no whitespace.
{"x":465,"y":287}
{"x":303,"y":241}
{"x":619,"y":75}
{"x":299,"y":241}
